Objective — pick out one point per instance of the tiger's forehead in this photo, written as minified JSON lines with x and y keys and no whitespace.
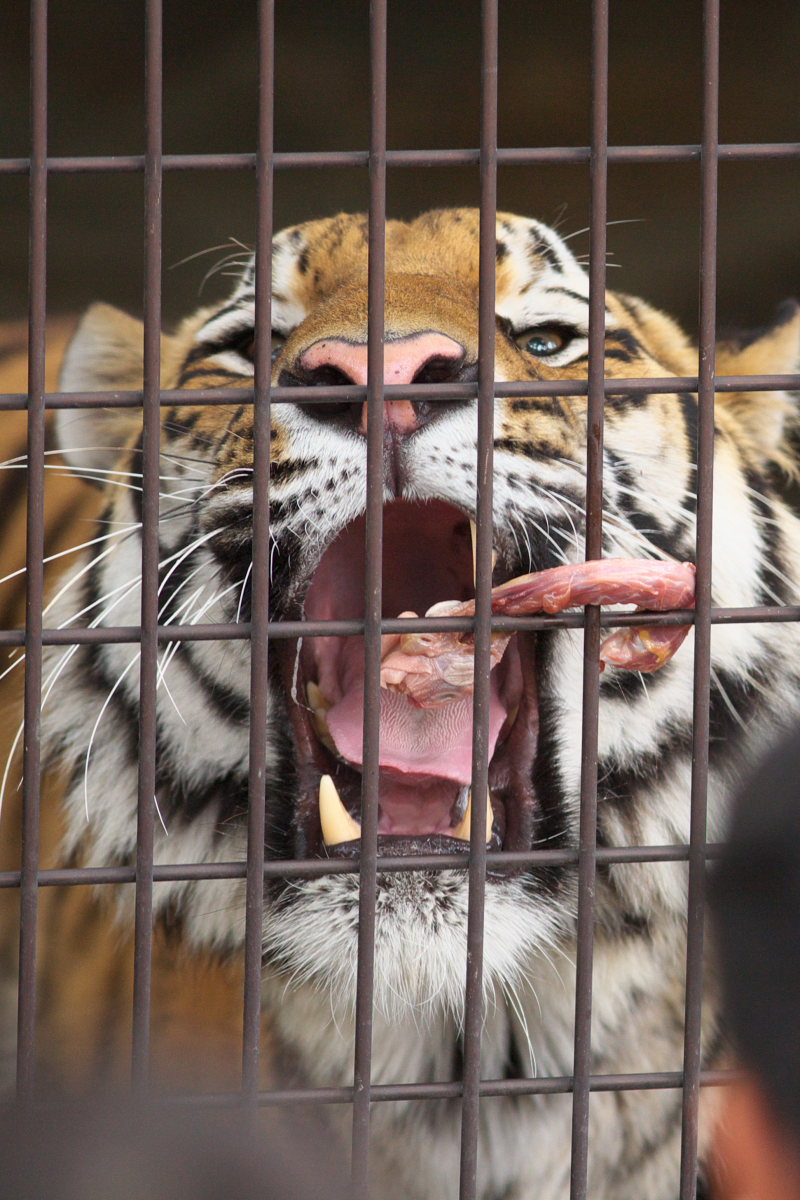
{"x":536,"y":273}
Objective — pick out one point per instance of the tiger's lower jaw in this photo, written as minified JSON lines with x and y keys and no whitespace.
{"x":527,"y":1031}
{"x":420,"y":945}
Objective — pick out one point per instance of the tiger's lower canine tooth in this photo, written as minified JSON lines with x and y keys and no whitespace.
{"x":464,"y":828}
{"x":336,"y":822}
{"x":316,"y":697}
{"x":473,"y":529}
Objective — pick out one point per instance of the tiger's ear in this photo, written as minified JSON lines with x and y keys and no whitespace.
{"x":105,"y":355}
{"x":764,"y":417}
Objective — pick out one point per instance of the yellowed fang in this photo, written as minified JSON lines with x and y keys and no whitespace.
{"x":319,"y":706}
{"x":473,"y":529}
{"x":337,"y":824}
{"x":463,"y":830}
{"x":317,"y":698}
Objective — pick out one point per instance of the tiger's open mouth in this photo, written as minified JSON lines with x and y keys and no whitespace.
{"x":425,"y":753}
{"x":426,"y":710}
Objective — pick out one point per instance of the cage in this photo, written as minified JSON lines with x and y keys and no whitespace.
{"x":167,"y":177}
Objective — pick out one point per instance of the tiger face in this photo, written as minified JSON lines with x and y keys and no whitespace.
{"x":316,"y":684}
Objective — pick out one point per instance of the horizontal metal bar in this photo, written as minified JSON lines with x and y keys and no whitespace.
{"x":316,"y":159}
{"x":195,"y":398}
{"x":315,"y":868}
{"x":547,"y":1085}
{"x":114,"y":634}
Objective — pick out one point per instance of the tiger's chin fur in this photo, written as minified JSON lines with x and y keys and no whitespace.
{"x":317,"y":505}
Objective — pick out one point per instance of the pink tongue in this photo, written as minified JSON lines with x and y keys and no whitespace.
{"x":417,"y":741}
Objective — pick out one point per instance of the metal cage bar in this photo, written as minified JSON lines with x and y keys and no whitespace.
{"x":34,"y":553}
{"x":587,"y":863}
{"x":17,"y":401}
{"x":311,"y":160}
{"x":151,"y":479}
{"x":702,"y":628}
{"x":480,"y":798}
{"x":373,"y":600}
{"x":259,"y":801}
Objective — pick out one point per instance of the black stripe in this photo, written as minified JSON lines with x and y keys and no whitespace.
{"x":619,"y":784}
{"x":181,"y":426}
{"x":541,"y":404}
{"x":621,"y":402}
{"x":643,"y":520}
{"x":542,"y":248}
{"x":774,"y":572}
{"x":565,"y":291}
{"x":627,"y":341}
{"x":629,"y":685}
{"x":525,"y":449}
{"x":215,"y":375}
{"x":181,"y":800}
{"x":745,"y":695}
{"x":236,"y":305}
{"x":282,"y":472}
{"x":227,"y":703}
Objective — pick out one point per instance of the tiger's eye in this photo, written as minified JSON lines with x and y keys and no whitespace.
{"x":278,"y":342}
{"x":542,"y":342}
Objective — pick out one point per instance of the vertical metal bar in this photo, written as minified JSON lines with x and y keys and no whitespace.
{"x":259,"y":682}
{"x":587,"y":843}
{"x":473,"y":1000}
{"x":372,"y":601}
{"x":37,"y":315}
{"x":148,"y":661}
{"x":702,"y":644}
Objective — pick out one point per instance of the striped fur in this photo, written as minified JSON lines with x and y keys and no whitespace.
{"x":317,"y":491}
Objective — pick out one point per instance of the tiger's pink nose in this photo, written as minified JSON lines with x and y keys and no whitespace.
{"x":423,"y":358}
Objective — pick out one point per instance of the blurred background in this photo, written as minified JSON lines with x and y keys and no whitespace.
{"x":96,"y":107}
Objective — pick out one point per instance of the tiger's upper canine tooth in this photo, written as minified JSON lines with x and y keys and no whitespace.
{"x":473,"y":529}
{"x":464,"y":828}
{"x":337,"y":824}
{"x":319,"y":715}
{"x":316,"y":697}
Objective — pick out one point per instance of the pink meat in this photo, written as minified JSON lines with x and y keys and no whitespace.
{"x":657,"y":586}
{"x":434,"y":669}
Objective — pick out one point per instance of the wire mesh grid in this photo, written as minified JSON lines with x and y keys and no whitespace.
{"x":471,"y":1089}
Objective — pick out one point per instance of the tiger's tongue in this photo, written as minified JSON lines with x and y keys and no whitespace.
{"x":414,"y":741}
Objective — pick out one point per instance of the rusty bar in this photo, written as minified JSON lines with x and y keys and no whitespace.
{"x":702,"y":630}
{"x":552,"y":1085}
{"x":317,"y":159}
{"x":316,"y":868}
{"x":17,"y":401}
{"x":474,"y":1000}
{"x":151,"y":466}
{"x":259,"y":581}
{"x":31,"y":760}
{"x":587,"y":837}
{"x":370,"y":785}
{"x":542,"y":1086}
{"x":113,"y":634}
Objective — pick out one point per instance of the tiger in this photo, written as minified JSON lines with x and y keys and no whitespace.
{"x":316,"y":550}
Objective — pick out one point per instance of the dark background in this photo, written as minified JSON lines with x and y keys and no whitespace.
{"x":96,"y":107}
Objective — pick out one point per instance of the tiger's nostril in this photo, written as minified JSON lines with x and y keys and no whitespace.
{"x":422,"y":358}
{"x":429,"y":357}
{"x":440,"y":368}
